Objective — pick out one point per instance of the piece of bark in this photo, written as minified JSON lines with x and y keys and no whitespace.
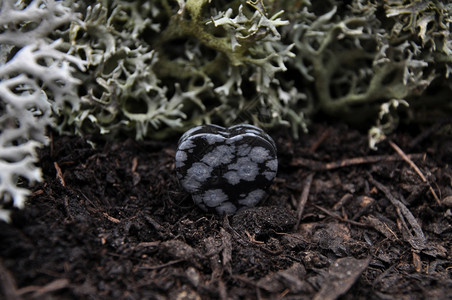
{"x":342,"y":274}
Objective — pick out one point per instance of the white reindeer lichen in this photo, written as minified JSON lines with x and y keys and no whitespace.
{"x":35,"y":78}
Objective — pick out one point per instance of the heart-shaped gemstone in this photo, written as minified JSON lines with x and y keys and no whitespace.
{"x":226,"y":168}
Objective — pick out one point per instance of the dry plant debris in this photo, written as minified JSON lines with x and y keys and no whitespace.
{"x":355,"y":224}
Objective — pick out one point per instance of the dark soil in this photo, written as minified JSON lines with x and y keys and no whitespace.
{"x":341,"y":221}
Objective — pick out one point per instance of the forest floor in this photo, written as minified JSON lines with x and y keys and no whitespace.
{"x":341,"y":221}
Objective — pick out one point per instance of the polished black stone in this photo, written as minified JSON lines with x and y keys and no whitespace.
{"x":226,"y":168}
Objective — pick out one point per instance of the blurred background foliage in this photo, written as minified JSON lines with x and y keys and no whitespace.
{"x":156,"y":68}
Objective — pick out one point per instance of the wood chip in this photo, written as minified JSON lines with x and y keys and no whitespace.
{"x":417,"y":240}
{"x":415,"y":168}
{"x":342,"y":274}
{"x":381,"y":227}
{"x":303,"y":199}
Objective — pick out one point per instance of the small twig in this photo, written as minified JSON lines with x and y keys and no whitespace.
{"x":336,"y":216}
{"x":234,"y":233}
{"x":40,"y":291}
{"x":111,"y":219}
{"x":342,"y":201}
{"x":417,"y":261}
{"x":381,"y":227}
{"x":319,"y":166}
{"x":303,"y":198}
{"x":283,"y":293}
{"x":319,"y":141}
{"x":418,"y":241}
{"x":416,"y":169}
{"x":59,"y":174}
{"x":252,"y":239}
{"x":149,"y":244}
{"x":37,"y":193}
{"x":134,"y":164}
{"x":161,"y":266}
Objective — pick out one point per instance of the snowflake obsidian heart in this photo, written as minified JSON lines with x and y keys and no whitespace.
{"x":226,"y":168}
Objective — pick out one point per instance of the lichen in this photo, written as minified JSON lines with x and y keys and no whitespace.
{"x":35,"y":81}
{"x":160,"y":68}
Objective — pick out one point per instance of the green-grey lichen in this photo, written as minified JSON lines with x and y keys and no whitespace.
{"x":353,"y":61}
{"x":162,"y":67}
{"x":354,"y":58}
{"x":156,"y":69}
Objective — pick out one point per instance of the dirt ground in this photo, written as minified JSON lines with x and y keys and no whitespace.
{"x":341,"y":221}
